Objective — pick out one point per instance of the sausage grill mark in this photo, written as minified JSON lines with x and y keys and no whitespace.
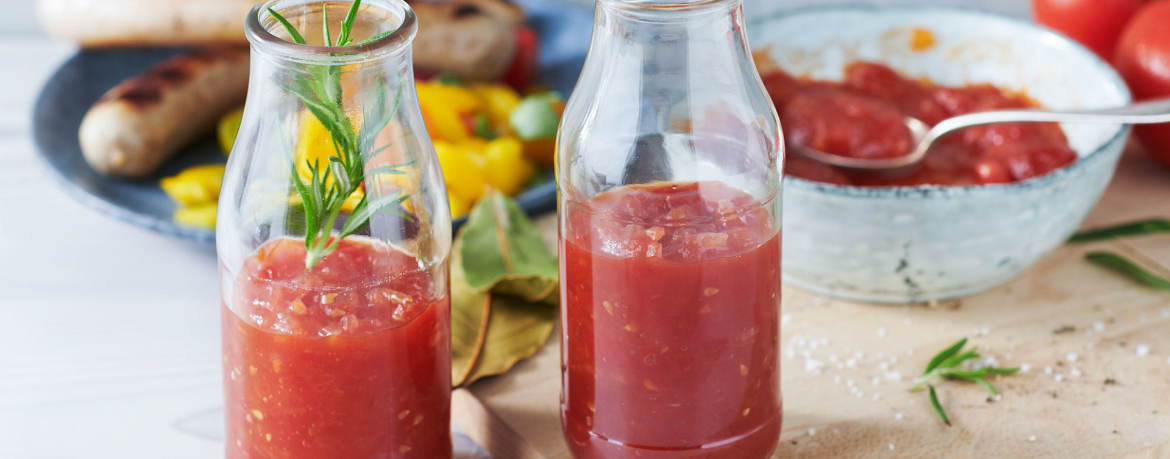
{"x":147,"y":89}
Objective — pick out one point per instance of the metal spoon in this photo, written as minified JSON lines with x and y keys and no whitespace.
{"x":1151,"y":112}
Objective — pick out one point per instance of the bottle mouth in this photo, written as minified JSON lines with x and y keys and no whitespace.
{"x":667,"y":5}
{"x":267,"y":34}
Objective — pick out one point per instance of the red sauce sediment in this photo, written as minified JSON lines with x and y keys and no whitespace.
{"x":862,"y":117}
{"x":671,"y":303}
{"x":348,"y":360}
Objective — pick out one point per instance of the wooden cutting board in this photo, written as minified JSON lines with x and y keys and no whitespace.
{"x":1118,"y":406}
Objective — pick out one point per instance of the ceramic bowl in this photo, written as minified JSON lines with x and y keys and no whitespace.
{"x":914,"y":244}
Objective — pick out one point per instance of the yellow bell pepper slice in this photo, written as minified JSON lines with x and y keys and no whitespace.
{"x":507,"y":169}
{"x":194,"y":185}
{"x":199,"y":215}
{"x":459,"y":207}
{"x":498,"y":102}
{"x":464,"y":178}
{"x":227,"y":129}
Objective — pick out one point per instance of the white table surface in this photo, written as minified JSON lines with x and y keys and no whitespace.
{"x":110,"y":346}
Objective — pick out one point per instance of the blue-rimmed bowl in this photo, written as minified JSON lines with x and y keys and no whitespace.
{"x":913,"y":244}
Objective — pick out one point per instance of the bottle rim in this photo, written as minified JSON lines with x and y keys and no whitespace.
{"x":259,"y":19}
{"x":667,"y":5}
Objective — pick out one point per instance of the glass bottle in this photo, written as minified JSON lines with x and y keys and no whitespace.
{"x":333,"y":238}
{"x":669,"y":167}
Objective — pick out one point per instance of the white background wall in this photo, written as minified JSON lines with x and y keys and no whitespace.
{"x":17,"y":17}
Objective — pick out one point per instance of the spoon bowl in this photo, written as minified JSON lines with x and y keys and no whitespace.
{"x":923,"y":136}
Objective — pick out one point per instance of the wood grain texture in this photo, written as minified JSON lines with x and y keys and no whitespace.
{"x":1081,"y":416}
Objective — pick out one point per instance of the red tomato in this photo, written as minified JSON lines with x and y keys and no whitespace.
{"x":1143,"y":58}
{"x":1094,"y":23}
{"x":525,"y":63}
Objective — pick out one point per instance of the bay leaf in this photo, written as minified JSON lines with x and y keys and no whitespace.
{"x":516,"y":330}
{"x":502,"y":251}
{"x":503,"y":291}
{"x":469,"y":313}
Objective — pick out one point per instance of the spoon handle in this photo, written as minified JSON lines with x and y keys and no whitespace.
{"x":1150,"y":112}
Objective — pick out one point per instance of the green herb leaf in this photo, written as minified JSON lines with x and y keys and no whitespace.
{"x":938,"y":406}
{"x":449,"y":79}
{"x":503,"y":251}
{"x":319,"y":89}
{"x":325,"y":21}
{"x":347,"y":23}
{"x":945,"y":354}
{"x":1138,"y":228}
{"x":502,"y":317}
{"x":469,"y":320}
{"x":1122,"y":265}
{"x":292,"y":31}
{"x":483,"y":128}
{"x":377,"y":37}
{"x":944,"y":365}
{"x":959,"y":359}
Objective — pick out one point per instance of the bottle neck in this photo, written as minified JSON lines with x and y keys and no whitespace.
{"x":382,"y":31}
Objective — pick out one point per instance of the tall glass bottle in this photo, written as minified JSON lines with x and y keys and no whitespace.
{"x":669,"y":166}
{"x":333,"y":237}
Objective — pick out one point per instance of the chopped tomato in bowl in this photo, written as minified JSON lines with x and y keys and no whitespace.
{"x":987,"y":202}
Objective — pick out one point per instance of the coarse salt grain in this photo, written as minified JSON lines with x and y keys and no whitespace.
{"x":1025,"y":367}
{"x":1090,"y":345}
{"x":1142,"y":350}
{"x":1059,"y":377}
{"x":850,"y":363}
{"x":1032,"y":438}
{"x":1098,"y":326}
{"x":1071,"y":357}
{"x":894,"y":376}
{"x":849,"y":383}
{"x":881,"y":333}
{"x":897,"y":415}
{"x":812,"y":432}
{"x":837,"y":379}
{"x":876,"y":381}
{"x":813,"y":365}
{"x":877,"y":397}
{"x":1047,"y":370}
{"x":1075,"y":373}
{"x":785,"y":318}
{"x":998,"y":397}
{"x":891,"y":446}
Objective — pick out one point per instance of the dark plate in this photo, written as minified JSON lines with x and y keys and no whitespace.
{"x":564,"y":32}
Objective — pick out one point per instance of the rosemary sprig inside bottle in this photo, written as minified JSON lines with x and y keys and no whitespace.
{"x":946,"y":365}
{"x":324,"y":195}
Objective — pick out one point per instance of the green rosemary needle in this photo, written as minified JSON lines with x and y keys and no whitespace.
{"x":324,"y":195}
{"x":945,"y":365}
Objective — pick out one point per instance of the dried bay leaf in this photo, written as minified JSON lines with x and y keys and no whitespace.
{"x":504,"y":285}
{"x":469,"y":313}
{"x":516,"y":330}
{"x":503,"y":251}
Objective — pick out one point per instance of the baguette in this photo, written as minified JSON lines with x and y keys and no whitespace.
{"x":140,"y":123}
{"x":150,"y":23}
{"x":473,"y":39}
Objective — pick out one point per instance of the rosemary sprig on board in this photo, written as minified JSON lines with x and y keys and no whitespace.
{"x":1119,"y":263}
{"x":1138,"y":228}
{"x":324,"y":195}
{"x":945,"y":365}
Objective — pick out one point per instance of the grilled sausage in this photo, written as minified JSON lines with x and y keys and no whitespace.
{"x":142,"y":122}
